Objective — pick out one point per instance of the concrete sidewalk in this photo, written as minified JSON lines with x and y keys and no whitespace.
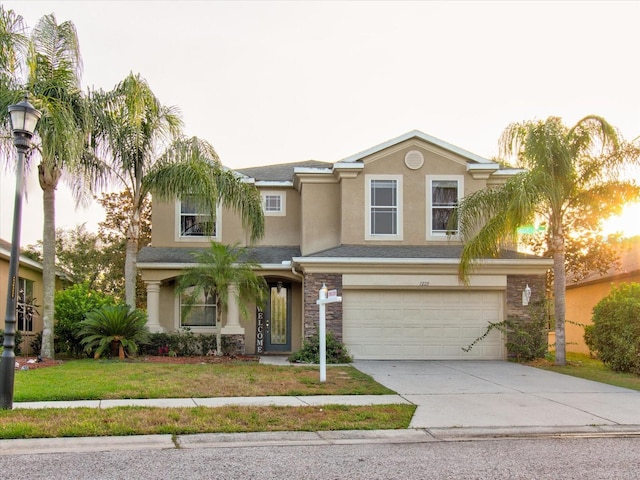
{"x":279,"y":401}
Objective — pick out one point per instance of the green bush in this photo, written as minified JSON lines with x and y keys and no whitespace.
{"x":526,"y":339}
{"x":71,"y":308}
{"x":615,"y":333}
{"x":114,"y":331}
{"x":183,"y":343}
{"x":17,"y":340}
{"x":310,"y":352}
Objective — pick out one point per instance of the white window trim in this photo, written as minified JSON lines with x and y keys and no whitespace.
{"x":430,"y":235}
{"x":207,"y":239}
{"x":283,"y":203}
{"x":367,"y":209}
{"x":178,"y":324}
{"x":22,"y":282}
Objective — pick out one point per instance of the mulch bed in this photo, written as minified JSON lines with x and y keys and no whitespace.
{"x":24,"y":363}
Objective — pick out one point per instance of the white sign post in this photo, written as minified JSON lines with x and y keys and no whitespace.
{"x":325,"y":296}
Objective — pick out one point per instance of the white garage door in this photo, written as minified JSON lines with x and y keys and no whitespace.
{"x":418,"y":324}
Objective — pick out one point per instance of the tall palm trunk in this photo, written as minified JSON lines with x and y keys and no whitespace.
{"x":48,"y":178}
{"x":559,"y":281}
{"x":130,"y":262}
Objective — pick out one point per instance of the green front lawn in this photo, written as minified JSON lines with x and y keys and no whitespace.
{"x":107,"y":379}
{"x":583,"y":366}
{"x":112,"y":379}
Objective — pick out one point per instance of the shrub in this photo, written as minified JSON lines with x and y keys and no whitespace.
{"x":310,"y":351}
{"x":182,"y":343}
{"x":71,"y":308}
{"x":17,"y":340}
{"x":615,"y":333}
{"x":114,"y":330}
{"x":526,"y":339}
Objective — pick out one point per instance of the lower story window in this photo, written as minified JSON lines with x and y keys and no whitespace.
{"x":199,"y":311}
{"x":25,"y":306}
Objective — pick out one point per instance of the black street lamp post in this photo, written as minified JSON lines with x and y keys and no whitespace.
{"x":23,"y":123}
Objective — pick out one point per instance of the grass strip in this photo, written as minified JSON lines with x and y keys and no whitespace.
{"x":90,"y":422}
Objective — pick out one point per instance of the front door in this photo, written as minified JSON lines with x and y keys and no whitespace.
{"x":277,"y":318}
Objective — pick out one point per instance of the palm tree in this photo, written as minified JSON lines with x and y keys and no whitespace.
{"x":567,"y":170}
{"x":54,"y":69}
{"x":132,"y":128}
{"x":216,"y":270}
{"x":52,"y":64}
{"x":13,"y":47}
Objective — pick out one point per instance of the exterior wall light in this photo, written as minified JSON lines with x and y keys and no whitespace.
{"x":526,"y":295}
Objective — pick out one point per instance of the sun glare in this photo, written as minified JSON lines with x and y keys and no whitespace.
{"x":627,"y":223}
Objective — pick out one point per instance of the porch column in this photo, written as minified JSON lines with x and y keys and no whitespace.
{"x":232,"y":326}
{"x":153,"y":306}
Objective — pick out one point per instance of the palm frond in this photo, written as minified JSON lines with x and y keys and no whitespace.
{"x":192,"y":167}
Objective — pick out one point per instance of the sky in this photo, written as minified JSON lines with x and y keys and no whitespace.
{"x":277,"y":82}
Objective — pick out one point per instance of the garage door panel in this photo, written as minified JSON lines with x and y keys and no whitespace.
{"x":421,"y":324}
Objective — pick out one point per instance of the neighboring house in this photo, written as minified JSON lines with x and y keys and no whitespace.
{"x":30,"y":293}
{"x":582,"y":296}
{"x":374,"y":227}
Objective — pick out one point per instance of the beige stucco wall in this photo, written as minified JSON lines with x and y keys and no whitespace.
{"x":414,"y":186}
{"x":320,"y":216}
{"x":283,"y":230}
{"x":164,"y":218}
{"x":279,"y":230}
{"x":580,"y":301}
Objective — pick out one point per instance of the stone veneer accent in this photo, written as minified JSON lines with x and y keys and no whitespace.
{"x":515,"y":286}
{"x":312,"y":285}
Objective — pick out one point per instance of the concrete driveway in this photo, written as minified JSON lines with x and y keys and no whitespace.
{"x":495,"y":394}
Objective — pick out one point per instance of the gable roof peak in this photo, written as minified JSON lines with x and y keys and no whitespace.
{"x":422,"y":136}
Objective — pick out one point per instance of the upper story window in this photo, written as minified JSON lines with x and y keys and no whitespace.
{"x":444,"y":194}
{"x":274,"y":203}
{"x":193,"y":223}
{"x":384,"y":207}
{"x":25,"y":305}
{"x":201,"y":312}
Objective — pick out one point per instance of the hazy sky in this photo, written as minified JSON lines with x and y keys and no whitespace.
{"x":276,"y":82}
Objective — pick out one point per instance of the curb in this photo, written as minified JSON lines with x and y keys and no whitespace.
{"x":334,"y":437}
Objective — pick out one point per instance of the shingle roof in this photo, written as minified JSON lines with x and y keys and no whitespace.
{"x":278,"y":255}
{"x":261,"y":255}
{"x":282,"y":172}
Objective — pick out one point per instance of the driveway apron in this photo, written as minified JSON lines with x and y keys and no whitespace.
{"x":458,"y":394}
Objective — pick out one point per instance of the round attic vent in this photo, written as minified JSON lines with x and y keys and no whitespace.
{"x":413,"y":160}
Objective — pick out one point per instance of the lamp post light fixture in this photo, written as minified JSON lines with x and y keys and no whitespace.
{"x":23,"y":117}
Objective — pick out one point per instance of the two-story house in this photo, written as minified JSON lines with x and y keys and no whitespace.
{"x":373,"y":226}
